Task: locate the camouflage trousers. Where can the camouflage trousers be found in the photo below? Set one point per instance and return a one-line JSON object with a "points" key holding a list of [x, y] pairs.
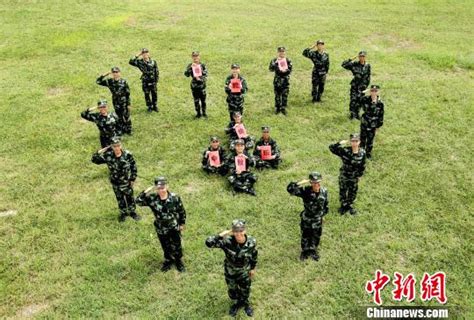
{"points": [[235, 103], [281, 88], [151, 94], [222, 170], [124, 119], [171, 244], [238, 284], [318, 81], [199, 96], [124, 195], [355, 96], [242, 182], [367, 136], [347, 190], [261, 164], [310, 237]]}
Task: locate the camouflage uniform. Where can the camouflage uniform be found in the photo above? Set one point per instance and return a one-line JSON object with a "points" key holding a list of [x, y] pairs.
{"points": [[235, 101], [275, 152], [107, 125], [281, 84], [353, 166], [198, 89], [222, 170], [359, 83], [122, 174], [320, 70], [239, 260], [169, 215], [244, 181], [315, 207], [150, 77], [372, 119], [233, 137], [121, 101]]}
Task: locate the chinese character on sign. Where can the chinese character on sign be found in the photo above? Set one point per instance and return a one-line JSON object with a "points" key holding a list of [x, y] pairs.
{"points": [[434, 287], [377, 285], [404, 287]]}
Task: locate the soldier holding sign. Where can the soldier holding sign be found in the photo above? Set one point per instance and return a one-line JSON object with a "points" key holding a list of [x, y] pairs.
{"points": [[106, 122], [198, 72], [235, 87], [213, 159], [241, 179], [282, 67], [267, 152], [236, 130]]}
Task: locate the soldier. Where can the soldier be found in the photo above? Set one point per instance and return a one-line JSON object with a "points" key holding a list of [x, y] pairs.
{"points": [[360, 82], [236, 130], [282, 67], [315, 199], [239, 265], [320, 60], [120, 98], [106, 122], [241, 179], [122, 175], [198, 72], [235, 87], [353, 166], [214, 158], [150, 77], [267, 152], [170, 218], [372, 119]]}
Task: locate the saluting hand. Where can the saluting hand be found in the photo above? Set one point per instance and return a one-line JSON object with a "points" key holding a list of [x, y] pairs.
{"points": [[103, 150]]}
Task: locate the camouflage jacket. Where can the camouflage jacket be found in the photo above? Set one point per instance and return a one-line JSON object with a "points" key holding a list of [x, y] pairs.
{"points": [[195, 83], [353, 164], [119, 89], [169, 213], [230, 130], [373, 112], [360, 71], [270, 142], [242, 80], [222, 155], [315, 203], [106, 124], [238, 257], [149, 69], [249, 162], [320, 60], [273, 67], [122, 170]]}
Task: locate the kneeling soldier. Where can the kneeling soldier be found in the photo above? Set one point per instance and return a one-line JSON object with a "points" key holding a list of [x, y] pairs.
{"points": [[267, 152], [241, 179], [213, 159]]}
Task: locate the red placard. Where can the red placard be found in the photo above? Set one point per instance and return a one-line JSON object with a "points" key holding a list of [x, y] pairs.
{"points": [[197, 70], [240, 163], [282, 64], [214, 158], [240, 130], [265, 152], [235, 85]]}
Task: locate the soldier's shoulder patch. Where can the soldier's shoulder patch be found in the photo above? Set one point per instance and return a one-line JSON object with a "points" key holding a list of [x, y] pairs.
{"points": [[252, 242]]}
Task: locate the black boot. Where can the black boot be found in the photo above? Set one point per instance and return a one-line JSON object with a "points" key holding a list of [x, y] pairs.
{"points": [[122, 217], [198, 115], [283, 110], [180, 266], [166, 265], [352, 211], [234, 309], [155, 108], [135, 216], [248, 310], [303, 256], [314, 256]]}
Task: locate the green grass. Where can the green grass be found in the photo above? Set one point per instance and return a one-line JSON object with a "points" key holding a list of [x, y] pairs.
{"points": [[64, 254]]}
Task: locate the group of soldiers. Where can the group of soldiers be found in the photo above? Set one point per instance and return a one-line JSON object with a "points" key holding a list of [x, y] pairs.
{"points": [[244, 152]]}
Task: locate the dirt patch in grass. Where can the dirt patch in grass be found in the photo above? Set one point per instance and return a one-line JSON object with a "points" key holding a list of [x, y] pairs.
{"points": [[391, 42], [55, 92], [32, 310]]}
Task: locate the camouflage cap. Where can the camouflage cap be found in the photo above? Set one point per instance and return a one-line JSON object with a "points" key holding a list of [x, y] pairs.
{"points": [[144, 50], [160, 181], [102, 103], [362, 53], [281, 49], [235, 66], [195, 53], [354, 137], [214, 139], [116, 141], [315, 176], [374, 87], [115, 69], [265, 129], [320, 41], [238, 225], [239, 141]]}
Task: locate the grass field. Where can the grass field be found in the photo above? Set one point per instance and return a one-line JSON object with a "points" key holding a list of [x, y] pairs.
{"points": [[65, 255]]}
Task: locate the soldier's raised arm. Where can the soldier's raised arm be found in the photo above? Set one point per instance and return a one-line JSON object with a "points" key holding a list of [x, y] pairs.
{"points": [[98, 157], [308, 53], [133, 61], [86, 114], [294, 189], [142, 199], [217, 241], [347, 64], [337, 148], [101, 80]]}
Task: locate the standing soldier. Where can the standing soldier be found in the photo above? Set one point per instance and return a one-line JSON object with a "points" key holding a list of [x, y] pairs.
{"points": [[214, 158], [198, 72], [235, 87], [353, 166], [241, 179], [120, 98], [122, 175], [315, 199], [150, 77], [360, 82], [106, 122], [372, 119], [282, 67], [267, 152], [239, 265], [320, 60], [170, 218]]}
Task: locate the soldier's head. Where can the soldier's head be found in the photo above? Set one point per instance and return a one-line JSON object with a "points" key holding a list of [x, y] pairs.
{"points": [[281, 51], [355, 141], [145, 53], [215, 142], [315, 180], [237, 117], [239, 146], [102, 105], [266, 132], [161, 185], [238, 230], [320, 45], [235, 68], [362, 55], [196, 56], [116, 146], [374, 90], [115, 73]]}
